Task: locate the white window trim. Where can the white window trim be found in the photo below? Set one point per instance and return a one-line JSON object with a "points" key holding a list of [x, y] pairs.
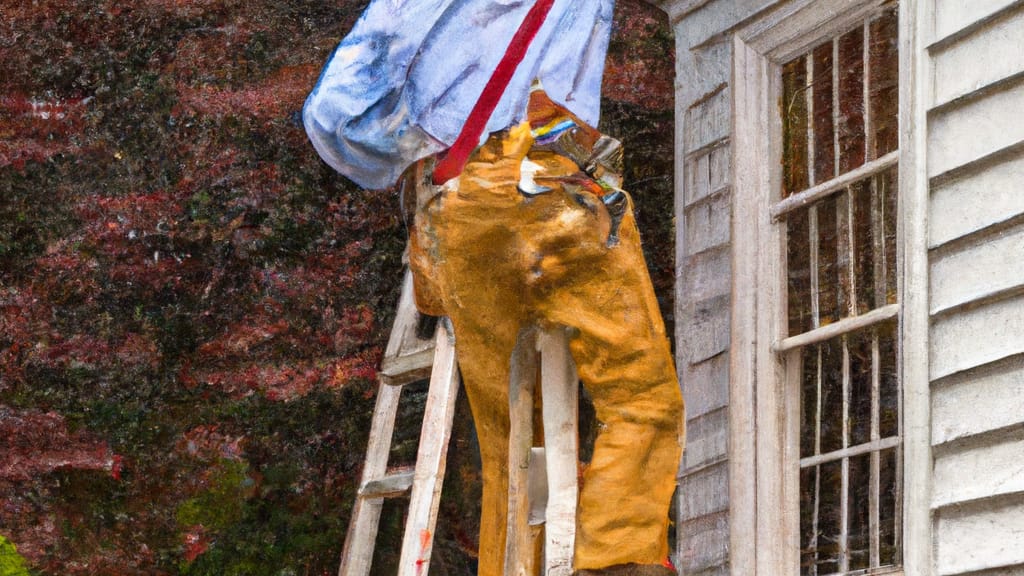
{"points": [[764, 422]]}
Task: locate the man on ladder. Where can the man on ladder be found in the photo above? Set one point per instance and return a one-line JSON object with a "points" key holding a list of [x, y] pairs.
{"points": [[531, 229]]}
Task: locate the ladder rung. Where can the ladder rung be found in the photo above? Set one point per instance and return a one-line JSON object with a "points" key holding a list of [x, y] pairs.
{"points": [[396, 483], [401, 370]]}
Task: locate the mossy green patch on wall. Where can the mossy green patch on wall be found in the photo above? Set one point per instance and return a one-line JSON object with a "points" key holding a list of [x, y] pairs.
{"points": [[11, 563], [221, 504]]}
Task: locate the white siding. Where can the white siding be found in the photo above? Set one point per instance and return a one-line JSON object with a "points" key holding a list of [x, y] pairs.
{"points": [[707, 439], [976, 129], [992, 264], [978, 200], [953, 15], [975, 137], [982, 537], [976, 336], [704, 260], [957, 69], [973, 88], [979, 401], [979, 472], [704, 544]]}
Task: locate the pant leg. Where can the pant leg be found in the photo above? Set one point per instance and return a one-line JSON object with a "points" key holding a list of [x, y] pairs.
{"points": [[503, 260], [624, 360], [471, 251]]}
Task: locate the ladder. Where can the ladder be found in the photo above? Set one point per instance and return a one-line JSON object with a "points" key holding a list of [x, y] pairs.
{"points": [[542, 484], [407, 358], [542, 481]]}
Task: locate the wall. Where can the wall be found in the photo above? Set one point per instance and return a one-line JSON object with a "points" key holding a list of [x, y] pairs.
{"points": [[704, 272], [975, 148], [973, 74]]}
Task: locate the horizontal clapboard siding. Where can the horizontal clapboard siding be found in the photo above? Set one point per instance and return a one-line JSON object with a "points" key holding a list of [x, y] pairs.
{"points": [[956, 65], [977, 402], [975, 128], [1003, 571], [983, 536], [975, 146], [975, 201], [952, 16], [992, 265], [704, 272], [984, 468], [976, 336]]}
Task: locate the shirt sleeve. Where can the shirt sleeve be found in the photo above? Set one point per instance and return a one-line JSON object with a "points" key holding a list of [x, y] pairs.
{"points": [[401, 84]]}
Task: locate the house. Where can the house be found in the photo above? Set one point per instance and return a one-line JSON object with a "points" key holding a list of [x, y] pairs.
{"points": [[850, 301]]}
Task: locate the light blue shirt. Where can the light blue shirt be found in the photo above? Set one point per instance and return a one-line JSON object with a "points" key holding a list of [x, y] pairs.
{"points": [[401, 84]]}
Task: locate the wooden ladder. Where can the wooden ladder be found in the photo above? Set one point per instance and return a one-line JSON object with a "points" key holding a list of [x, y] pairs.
{"points": [[407, 358], [542, 484], [542, 481]]}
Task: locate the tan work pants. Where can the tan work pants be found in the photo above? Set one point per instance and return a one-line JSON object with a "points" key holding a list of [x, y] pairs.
{"points": [[497, 261]]}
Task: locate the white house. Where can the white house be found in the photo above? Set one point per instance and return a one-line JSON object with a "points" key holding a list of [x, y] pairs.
{"points": [[850, 306]]}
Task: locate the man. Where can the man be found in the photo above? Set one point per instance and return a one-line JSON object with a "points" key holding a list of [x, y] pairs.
{"points": [[533, 231]]}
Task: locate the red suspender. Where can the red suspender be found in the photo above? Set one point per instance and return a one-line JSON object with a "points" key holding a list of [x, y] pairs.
{"points": [[451, 164]]}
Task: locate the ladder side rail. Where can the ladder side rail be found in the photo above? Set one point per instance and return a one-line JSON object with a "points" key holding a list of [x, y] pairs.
{"points": [[407, 357], [560, 393], [362, 529], [519, 553], [417, 542]]}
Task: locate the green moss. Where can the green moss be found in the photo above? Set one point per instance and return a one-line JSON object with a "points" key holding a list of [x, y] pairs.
{"points": [[222, 504], [11, 563]]}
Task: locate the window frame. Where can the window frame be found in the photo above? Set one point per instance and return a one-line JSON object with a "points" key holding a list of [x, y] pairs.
{"points": [[764, 416]]}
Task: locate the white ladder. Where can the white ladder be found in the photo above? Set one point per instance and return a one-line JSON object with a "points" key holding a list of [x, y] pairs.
{"points": [[543, 486], [542, 481], [406, 359]]}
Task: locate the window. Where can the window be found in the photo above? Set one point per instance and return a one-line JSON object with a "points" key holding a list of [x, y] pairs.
{"points": [[838, 205], [816, 330]]}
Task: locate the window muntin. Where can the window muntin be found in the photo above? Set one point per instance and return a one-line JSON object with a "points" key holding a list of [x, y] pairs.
{"points": [[838, 207]]}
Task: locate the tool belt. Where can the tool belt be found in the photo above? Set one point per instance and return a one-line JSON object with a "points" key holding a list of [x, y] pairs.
{"points": [[555, 130]]}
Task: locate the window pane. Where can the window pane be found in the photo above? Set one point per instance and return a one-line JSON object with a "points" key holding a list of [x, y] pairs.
{"points": [[883, 82], [860, 386], [887, 191], [829, 300], [809, 521], [830, 517], [888, 400], [824, 132], [809, 401], [843, 278], [798, 256], [865, 273], [794, 126], [832, 395], [851, 100], [859, 540], [839, 110], [888, 523]]}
